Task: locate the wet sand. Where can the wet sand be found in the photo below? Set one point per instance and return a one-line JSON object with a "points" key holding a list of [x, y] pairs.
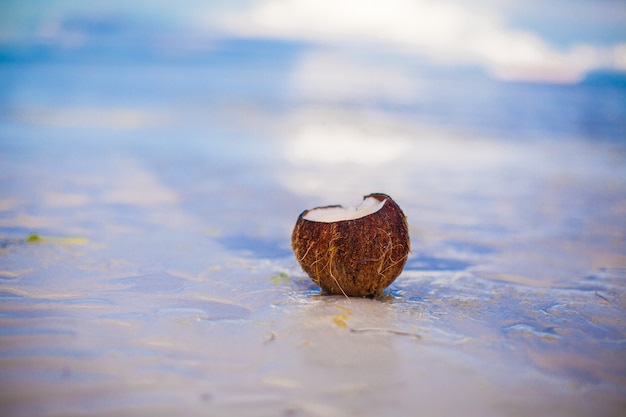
{"points": [[143, 276]]}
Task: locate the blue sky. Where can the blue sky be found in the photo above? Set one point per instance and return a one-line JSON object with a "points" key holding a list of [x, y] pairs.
{"points": [[350, 44]]}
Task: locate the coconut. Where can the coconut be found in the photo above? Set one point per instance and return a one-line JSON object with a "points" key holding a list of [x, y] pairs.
{"points": [[354, 251]]}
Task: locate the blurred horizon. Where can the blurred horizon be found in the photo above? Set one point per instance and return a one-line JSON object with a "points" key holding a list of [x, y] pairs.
{"points": [[528, 41], [493, 68]]}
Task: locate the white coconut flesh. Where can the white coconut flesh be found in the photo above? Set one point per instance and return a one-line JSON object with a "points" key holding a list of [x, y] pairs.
{"points": [[336, 214]]}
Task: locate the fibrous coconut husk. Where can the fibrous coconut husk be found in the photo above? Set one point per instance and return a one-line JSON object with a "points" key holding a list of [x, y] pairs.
{"points": [[358, 257]]}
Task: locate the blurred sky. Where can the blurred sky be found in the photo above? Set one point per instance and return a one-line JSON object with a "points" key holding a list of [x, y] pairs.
{"points": [[361, 40]]}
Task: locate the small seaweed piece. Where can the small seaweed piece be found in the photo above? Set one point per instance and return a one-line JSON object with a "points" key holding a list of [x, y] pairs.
{"points": [[73, 240], [280, 278], [33, 238]]}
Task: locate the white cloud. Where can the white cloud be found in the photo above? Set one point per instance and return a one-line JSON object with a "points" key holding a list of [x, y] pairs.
{"points": [[448, 31], [408, 22], [619, 56]]}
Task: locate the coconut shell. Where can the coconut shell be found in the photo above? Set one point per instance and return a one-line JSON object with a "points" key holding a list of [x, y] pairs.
{"points": [[358, 257]]}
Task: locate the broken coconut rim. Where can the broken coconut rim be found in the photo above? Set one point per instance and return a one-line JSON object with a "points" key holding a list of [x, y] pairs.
{"points": [[331, 214]]}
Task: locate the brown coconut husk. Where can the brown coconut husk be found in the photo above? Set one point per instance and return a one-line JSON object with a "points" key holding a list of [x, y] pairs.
{"points": [[358, 257]]}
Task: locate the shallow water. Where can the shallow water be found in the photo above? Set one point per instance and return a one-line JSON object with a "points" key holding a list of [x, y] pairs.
{"points": [[146, 268]]}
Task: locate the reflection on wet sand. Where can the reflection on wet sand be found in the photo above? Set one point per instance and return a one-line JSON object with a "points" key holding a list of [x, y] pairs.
{"points": [[162, 281]]}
